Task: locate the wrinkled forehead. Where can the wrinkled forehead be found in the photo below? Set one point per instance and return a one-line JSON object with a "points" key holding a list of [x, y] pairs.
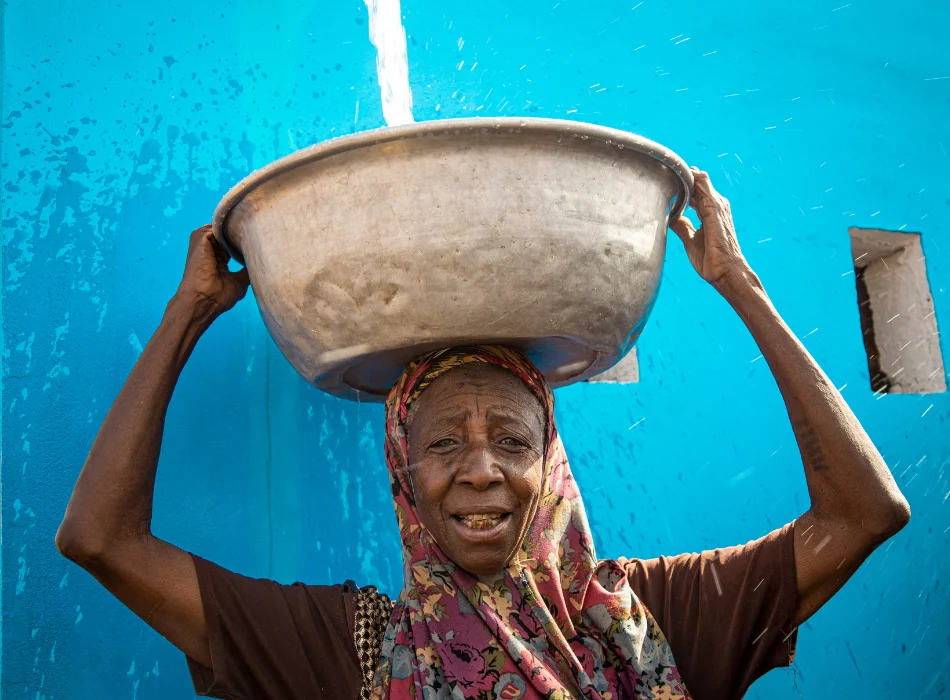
{"points": [[471, 381]]}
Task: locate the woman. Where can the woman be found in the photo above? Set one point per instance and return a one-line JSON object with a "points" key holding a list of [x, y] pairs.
{"points": [[504, 595]]}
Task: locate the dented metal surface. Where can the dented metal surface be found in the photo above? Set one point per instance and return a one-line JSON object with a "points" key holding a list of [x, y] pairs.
{"points": [[367, 250]]}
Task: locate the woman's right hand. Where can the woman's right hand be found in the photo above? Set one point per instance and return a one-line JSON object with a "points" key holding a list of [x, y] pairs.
{"points": [[207, 282]]}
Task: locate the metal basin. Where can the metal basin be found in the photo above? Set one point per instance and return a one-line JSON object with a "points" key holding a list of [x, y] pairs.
{"points": [[368, 250]]}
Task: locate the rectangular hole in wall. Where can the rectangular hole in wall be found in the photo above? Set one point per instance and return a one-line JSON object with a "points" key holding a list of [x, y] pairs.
{"points": [[626, 371], [897, 312]]}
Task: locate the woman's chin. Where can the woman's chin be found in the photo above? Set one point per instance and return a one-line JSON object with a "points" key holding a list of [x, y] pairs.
{"points": [[485, 568]]}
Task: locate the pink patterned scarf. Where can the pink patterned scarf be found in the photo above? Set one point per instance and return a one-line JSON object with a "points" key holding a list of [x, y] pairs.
{"points": [[556, 623]]}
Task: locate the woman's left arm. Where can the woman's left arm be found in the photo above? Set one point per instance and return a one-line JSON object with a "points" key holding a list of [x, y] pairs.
{"points": [[855, 502]]}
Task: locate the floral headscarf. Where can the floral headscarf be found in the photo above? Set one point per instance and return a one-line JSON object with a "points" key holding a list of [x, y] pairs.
{"points": [[556, 623]]}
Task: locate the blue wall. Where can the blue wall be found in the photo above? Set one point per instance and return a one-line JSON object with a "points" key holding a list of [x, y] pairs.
{"points": [[122, 125]]}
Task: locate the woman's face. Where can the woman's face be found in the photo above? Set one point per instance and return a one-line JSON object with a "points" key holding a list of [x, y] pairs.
{"points": [[476, 445]]}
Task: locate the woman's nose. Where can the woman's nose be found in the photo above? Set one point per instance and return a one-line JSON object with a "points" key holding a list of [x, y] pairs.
{"points": [[480, 469]]}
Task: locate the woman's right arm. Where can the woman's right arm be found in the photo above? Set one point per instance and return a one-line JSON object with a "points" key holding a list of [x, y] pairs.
{"points": [[107, 526]]}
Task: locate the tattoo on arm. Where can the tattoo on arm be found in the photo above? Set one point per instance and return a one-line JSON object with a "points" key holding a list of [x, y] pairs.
{"points": [[808, 443]]}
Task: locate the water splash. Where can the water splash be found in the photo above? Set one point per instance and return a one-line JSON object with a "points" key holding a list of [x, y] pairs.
{"points": [[392, 65]]}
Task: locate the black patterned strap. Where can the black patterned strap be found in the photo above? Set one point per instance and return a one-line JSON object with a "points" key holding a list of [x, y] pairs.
{"points": [[373, 610]]}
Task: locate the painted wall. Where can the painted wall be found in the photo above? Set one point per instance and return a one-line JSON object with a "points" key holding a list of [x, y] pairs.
{"points": [[123, 124]]}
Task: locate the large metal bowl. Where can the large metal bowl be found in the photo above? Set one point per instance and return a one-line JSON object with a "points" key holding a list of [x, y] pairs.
{"points": [[368, 250]]}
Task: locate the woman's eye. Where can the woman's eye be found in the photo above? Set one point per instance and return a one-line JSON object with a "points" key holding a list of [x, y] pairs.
{"points": [[512, 442], [442, 444]]}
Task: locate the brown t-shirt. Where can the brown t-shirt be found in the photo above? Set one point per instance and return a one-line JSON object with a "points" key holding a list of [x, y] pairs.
{"points": [[727, 615]]}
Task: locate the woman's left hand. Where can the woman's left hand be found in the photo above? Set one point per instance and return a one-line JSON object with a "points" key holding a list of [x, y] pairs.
{"points": [[713, 249]]}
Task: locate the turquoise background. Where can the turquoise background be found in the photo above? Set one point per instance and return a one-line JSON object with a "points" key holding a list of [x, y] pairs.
{"points": [[123, 123]]}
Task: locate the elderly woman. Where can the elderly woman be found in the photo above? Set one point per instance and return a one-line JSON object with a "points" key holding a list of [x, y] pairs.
{"points": [[503, 595]]}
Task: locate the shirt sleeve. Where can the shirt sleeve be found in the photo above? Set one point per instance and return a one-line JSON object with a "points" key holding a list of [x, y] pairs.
{"points": [[275, 642], [727, 613]]}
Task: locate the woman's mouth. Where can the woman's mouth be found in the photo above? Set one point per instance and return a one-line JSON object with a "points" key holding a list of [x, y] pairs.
{"points": [[481, 521], [481, 526]]}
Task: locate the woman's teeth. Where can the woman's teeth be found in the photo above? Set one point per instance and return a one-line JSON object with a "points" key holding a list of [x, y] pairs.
{"points": [[484, 521]]}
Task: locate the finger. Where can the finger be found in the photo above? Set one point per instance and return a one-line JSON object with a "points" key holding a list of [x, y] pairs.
{"points": [[195, 239], [705, 198], [699, 193], [220, 252], [200, 232], [707, 191], [683, 228], [702, 186], [237, 284], [243, 278]]}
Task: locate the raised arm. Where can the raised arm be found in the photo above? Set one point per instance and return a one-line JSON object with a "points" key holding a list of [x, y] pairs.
{"points": [[107, 526], [855, 503]]}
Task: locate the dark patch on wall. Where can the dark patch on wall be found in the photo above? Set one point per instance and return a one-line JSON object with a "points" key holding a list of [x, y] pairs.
{"points": [[879, 378]]}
